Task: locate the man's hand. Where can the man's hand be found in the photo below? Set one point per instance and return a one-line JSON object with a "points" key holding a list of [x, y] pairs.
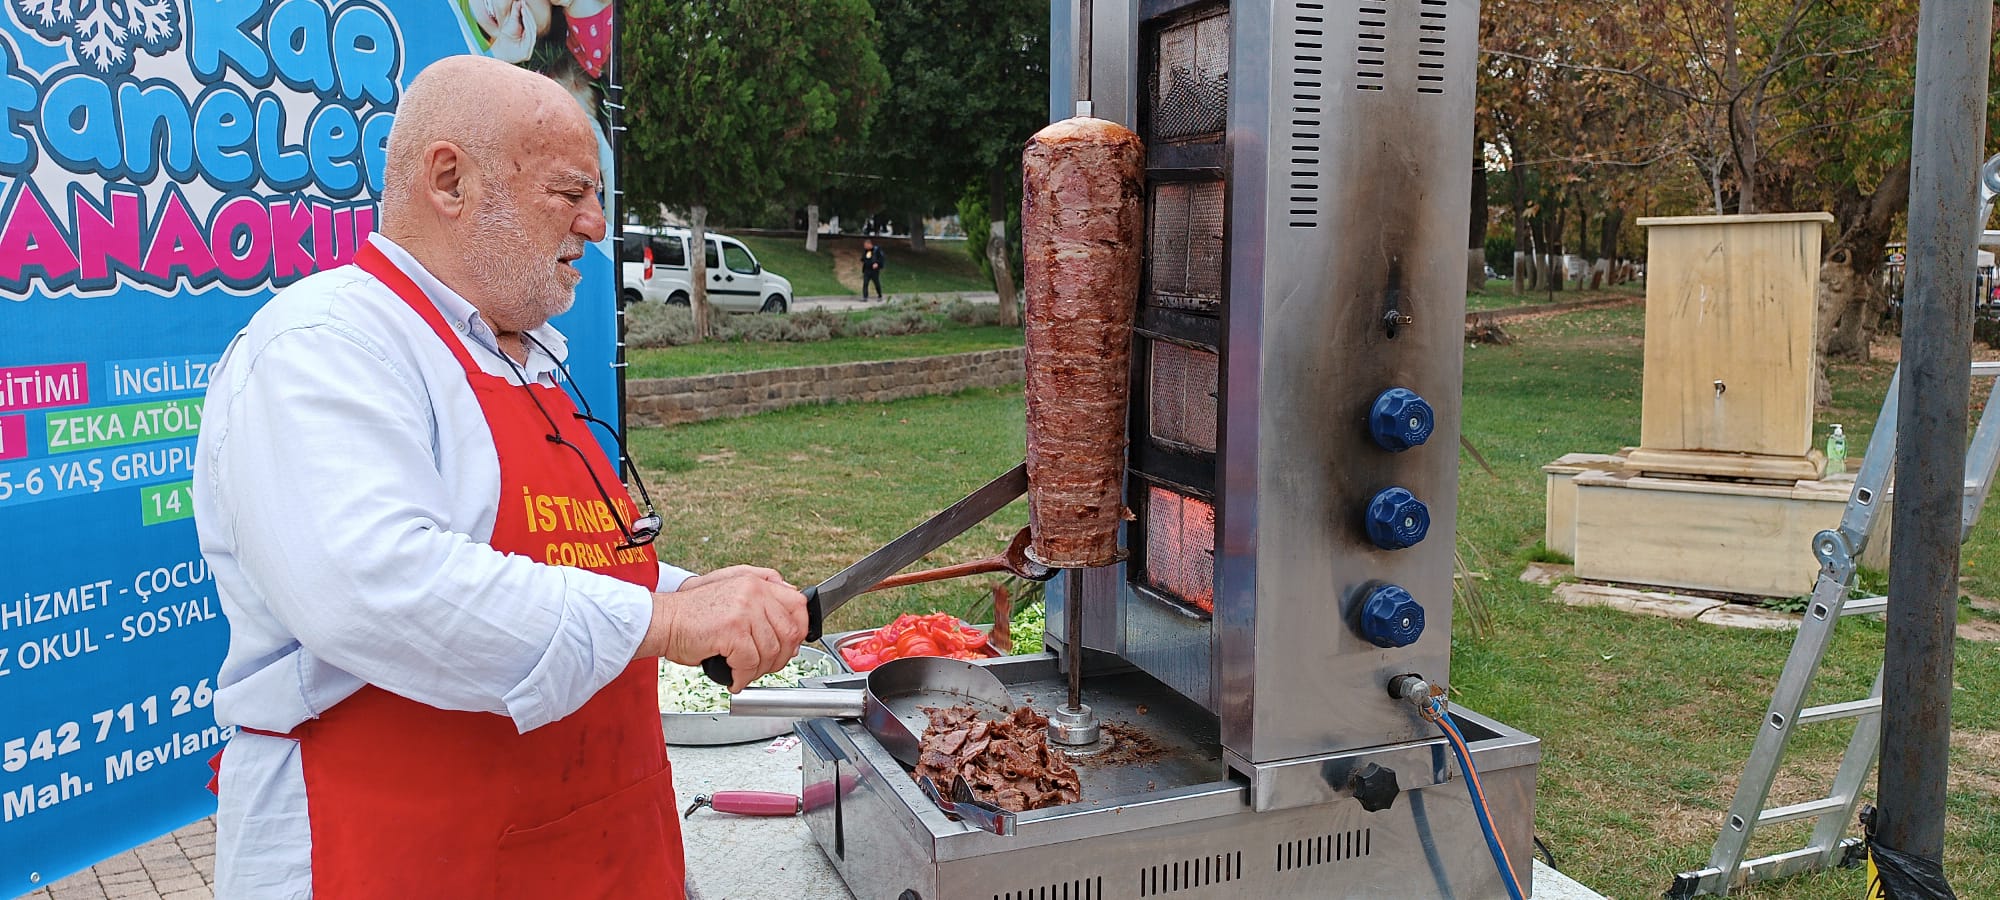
{"points": [[770, 575], [745, 614]]}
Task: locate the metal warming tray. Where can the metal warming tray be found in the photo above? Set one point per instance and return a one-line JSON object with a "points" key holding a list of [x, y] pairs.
{"points": [[709, 729], [1171, 820]]}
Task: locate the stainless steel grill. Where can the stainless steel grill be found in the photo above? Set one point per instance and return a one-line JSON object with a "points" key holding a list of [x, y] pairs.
{"points": [[1301, 317]]}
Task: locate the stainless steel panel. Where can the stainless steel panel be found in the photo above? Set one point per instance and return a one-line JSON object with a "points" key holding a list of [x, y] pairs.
{"points": [[1103, 620], [1323, 779], [1347, 201], [1171, 645]]}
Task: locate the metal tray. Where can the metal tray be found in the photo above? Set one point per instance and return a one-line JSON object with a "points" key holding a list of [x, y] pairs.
{"points": [[709, 729]]}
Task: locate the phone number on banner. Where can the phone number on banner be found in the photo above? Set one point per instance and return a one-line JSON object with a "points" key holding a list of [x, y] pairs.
{"points": [[52, 479], [20, 751]]}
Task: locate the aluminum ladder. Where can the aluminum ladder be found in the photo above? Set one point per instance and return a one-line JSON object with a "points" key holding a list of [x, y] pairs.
{"points": [[1837, 551]]}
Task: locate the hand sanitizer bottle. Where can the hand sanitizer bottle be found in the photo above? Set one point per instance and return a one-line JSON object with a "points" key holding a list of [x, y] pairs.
{"points": [[1836, 452]]}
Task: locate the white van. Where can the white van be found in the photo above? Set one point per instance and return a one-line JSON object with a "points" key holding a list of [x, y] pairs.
{"points": [[736, 281]]}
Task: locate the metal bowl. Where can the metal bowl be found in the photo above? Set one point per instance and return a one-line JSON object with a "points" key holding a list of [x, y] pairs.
{"points": [[708, 729]]}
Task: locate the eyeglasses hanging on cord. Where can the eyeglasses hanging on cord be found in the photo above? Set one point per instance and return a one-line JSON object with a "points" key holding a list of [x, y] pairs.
{"points": [[640, 531]]}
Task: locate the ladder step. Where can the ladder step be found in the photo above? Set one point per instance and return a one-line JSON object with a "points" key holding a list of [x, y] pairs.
{"points": [[1806, 810], [1848, 710], [1861, 606]]}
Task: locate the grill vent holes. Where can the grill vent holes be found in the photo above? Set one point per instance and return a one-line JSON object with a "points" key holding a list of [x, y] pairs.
{"points": [[1372, 58], [1327, 848], [1430, 55], [1080, 889], [1371, 46], [1307, 114], [1189, 874]]}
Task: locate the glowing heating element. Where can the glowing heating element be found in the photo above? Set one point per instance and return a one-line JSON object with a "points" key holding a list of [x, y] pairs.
{"points": [[1180, 547]]}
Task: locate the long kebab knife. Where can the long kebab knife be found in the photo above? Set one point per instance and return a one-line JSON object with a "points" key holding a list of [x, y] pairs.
{"points": [[895, 556]]}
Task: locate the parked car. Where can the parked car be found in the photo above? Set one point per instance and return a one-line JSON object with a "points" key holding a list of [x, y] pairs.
{"points": [[736, 281]]}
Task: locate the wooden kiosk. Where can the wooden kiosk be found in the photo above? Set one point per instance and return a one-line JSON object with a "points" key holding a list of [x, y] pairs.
{"points": [[1724, 492]]}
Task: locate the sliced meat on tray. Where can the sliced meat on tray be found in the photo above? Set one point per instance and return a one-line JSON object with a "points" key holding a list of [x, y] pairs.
{"points": [[1007, 763]]}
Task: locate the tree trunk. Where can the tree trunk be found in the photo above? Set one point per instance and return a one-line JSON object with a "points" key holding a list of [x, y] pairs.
{"points": [[1555, 276], [812, 228], [1520, 272], [1607, 244], [1850, 302], [916, 233], [1519, 202], [698, 269], [1742, 122], [1475, 257], [996, 248]]}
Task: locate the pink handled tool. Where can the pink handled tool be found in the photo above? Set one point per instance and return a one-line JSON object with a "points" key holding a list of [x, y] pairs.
{"points": [[748, 803]]}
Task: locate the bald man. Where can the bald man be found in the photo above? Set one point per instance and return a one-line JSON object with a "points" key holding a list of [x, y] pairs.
{"points": [[445, 610]]}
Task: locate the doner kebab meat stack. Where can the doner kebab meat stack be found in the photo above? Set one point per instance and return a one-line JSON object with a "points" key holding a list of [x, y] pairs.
{"points": [[1082, 218]]}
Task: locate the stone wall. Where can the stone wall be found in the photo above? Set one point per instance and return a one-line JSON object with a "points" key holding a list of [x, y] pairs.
{"points": [[672, 401]]}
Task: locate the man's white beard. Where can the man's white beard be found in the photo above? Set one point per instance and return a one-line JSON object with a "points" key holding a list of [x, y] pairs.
{"points": [[525, 291]]}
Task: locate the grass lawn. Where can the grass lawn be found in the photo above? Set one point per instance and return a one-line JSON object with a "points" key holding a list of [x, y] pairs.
{"points": [[713, 357], [1645, 722], [833, 271], [1500, 295]]}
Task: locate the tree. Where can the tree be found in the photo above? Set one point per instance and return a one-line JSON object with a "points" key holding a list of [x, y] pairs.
{"points": [[733, 105], [1573, 135], [1772, 105], [969, 87]]}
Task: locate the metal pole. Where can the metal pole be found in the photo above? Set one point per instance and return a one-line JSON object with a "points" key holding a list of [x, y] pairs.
{"points": [[1948, 129], [1081, 93], [1073, 579], [614, 212]]}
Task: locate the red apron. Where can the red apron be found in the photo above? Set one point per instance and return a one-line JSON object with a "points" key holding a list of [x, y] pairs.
{"points": [[407, 800]]}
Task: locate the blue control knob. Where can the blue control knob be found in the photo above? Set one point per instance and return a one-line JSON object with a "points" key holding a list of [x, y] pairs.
{"points": [[1397, 519], [1400, 420], [1390, 617]]}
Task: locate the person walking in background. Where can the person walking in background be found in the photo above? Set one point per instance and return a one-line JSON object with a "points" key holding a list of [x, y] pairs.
{"points": [[871, 268]]}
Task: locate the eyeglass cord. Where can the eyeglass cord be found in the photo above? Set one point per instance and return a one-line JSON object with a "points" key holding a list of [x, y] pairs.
{"points": [[632, 539]]}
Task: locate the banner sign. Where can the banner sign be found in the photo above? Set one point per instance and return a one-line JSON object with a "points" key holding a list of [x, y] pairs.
{"points": [[165, 166]]}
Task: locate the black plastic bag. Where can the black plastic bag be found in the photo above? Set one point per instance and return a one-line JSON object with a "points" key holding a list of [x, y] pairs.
{"points": [[1895, 875]]}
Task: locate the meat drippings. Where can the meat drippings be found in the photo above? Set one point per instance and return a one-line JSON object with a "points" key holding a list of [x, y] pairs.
{"points": [[1007, 763]]}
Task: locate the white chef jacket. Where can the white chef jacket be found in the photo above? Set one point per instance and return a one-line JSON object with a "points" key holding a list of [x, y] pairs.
{"points": [[345, 486]]}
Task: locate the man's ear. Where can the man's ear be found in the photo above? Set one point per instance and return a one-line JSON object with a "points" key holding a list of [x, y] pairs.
{"points": [[445, 170]]}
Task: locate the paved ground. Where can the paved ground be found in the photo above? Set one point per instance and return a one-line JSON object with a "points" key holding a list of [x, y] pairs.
{"points": [[181, 866], [178, 866]]}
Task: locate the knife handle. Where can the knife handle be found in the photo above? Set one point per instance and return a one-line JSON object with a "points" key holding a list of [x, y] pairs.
{"points": [[717, 668]]}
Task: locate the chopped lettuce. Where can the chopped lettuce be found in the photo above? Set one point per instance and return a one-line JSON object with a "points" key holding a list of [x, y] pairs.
{"points": [[686, 689]]}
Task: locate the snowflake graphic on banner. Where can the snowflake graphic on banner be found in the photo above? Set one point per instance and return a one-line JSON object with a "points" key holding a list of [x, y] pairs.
{"points": [[105, 35]]}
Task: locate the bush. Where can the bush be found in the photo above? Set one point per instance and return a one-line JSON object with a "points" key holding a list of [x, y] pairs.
{"points": [[966, 312], [972, 214], [658, 325], [906, 321]]}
